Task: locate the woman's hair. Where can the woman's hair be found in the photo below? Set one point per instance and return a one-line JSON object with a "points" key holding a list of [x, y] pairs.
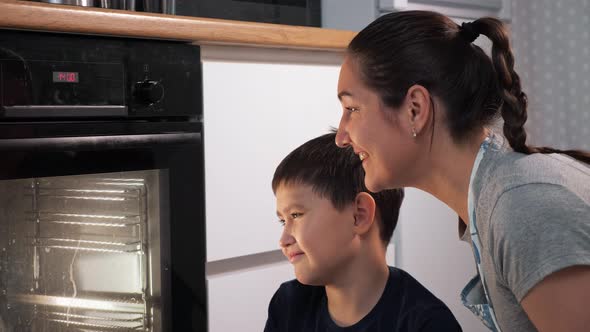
{"points": [[402, 49]]}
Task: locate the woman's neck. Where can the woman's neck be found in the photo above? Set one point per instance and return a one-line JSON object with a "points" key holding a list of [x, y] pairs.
{"points": [[450, 172]]}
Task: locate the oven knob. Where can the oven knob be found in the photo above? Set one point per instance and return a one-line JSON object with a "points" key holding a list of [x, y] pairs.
{"points": [[149, 92]]}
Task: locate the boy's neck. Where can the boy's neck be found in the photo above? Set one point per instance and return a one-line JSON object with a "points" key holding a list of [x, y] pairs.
{"points": [[357, 291]]}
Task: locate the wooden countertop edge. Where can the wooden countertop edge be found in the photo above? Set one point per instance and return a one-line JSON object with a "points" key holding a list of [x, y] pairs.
{"points": [[25, 15]]}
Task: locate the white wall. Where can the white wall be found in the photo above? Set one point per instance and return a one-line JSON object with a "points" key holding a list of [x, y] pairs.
{"points": [[551, 40], [351, 15]]}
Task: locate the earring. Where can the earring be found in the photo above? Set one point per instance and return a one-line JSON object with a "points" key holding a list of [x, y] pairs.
{"points": [[414, 133]]}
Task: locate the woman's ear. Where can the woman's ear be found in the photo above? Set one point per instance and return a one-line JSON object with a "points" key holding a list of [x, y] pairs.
{"points": [[418, 109], [364, 212]]}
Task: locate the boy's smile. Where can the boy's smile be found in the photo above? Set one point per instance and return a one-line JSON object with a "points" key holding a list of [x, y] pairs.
{"points": [[293, 256], [317, 238]]}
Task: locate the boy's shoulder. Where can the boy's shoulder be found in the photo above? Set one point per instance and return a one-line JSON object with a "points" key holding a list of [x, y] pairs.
{"points": [[409, 290], [294, 304], [402, 290], [293, 293], [405, 305]]}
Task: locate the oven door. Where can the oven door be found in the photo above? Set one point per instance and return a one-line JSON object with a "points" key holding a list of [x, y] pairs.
{"points": [[102, 227]]}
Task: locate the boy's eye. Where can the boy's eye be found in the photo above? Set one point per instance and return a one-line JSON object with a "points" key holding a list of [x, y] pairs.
{"points": [[293, 215]]}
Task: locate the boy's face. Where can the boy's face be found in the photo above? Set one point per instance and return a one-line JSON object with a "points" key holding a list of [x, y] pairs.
{"points": [[318, 239]]}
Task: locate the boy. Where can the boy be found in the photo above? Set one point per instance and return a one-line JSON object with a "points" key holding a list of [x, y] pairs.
{"points": [[335, 235]]}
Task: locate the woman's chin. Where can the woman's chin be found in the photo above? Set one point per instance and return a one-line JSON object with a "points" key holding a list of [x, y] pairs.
{"points": [[373, 186]]}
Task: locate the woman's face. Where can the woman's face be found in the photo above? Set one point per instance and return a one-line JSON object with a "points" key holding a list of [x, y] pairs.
{"points": [[380, 136]]}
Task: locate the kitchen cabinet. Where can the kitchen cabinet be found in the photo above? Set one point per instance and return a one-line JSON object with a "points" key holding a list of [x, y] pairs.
{"points": [[239, 298], [259, 104]]}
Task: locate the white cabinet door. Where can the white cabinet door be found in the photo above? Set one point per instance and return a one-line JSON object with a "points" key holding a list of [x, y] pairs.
{"points": [[259, 104], [464, 9], [238, 299]]}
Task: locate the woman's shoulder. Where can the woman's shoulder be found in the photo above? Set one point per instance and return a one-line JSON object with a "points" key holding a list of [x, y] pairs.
{"points": [[503, 170], [517, 189]]}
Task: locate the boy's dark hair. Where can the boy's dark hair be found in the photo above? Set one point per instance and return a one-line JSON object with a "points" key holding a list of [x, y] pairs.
{"points": [[336, 174]]}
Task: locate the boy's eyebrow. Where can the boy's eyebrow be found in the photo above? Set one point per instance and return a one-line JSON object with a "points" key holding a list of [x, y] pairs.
{"points": [[290, 207]]}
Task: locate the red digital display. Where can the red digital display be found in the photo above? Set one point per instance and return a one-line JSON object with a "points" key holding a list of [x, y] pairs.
{"points": [[65, 77]]}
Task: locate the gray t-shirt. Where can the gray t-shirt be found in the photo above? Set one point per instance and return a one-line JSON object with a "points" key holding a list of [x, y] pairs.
{"points": [[533, 218]]}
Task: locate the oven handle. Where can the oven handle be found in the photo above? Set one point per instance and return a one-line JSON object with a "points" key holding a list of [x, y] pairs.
{"points": [[99, 142]]}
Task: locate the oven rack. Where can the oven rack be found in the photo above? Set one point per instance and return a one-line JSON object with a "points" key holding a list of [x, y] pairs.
{"points": [[86, 219], [88, 245], [106, 303], [87, 313], [92, 322]]}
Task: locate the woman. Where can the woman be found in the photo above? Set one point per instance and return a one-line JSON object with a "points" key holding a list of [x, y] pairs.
{"points": [[418, 98]]}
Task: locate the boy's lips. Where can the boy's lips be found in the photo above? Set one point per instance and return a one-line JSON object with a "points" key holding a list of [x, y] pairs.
{"points": [[292, 256]]}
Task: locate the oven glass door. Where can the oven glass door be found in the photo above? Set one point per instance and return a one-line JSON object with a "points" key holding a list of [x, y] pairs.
{"points": [[102, 229]]}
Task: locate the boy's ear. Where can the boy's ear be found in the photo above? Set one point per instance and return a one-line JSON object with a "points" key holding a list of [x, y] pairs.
{"points": [[364, 212]]}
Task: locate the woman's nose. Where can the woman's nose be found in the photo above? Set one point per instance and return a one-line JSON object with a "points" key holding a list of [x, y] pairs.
{"points": [[342, 138]]}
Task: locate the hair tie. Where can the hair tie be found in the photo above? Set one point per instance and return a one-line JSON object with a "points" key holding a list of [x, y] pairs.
{"points": [[468, 32]]}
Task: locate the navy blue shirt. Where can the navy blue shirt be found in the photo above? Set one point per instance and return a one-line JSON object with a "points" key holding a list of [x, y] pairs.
{"points": [[405, 305]]}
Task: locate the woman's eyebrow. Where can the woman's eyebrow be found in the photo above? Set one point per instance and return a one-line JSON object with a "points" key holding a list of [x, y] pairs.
{"points": [[344, 93]]}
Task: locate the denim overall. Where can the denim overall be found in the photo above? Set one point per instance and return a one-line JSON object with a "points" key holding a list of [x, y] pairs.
{"points": [[475, 295]]}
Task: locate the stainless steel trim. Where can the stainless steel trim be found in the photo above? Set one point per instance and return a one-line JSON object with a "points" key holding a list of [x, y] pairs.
{"points": [[84, 3], [98, 142], [37, 111]]}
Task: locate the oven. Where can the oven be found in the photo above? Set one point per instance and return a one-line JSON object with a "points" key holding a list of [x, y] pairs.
{"points": [[290, 12], [101, 184]]}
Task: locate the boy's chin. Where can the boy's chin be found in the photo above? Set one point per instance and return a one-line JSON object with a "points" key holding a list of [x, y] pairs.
{"points": [[309, 279]]}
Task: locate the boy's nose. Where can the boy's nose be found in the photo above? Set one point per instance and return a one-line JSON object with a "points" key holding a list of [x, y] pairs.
{"points": [[286, 238]]}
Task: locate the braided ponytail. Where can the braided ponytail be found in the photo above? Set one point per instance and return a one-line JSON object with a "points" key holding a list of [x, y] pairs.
{"points": [[514, 100]]}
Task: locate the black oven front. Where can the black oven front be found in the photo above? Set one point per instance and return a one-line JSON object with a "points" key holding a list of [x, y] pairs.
{"points": [[289, 12], [101, 185]]}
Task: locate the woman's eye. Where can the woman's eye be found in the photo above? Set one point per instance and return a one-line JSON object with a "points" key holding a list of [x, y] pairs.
{"points": [[352, 109], [282, 222], [295, 215]]}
